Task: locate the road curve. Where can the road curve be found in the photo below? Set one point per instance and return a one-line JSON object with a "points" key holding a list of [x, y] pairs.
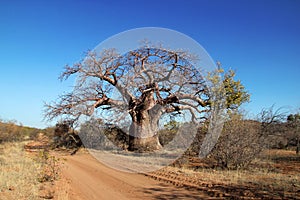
{"points": [[89, 180]]}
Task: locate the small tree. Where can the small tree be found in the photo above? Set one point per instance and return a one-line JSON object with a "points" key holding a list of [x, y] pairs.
{"points": [[235, 95], [294, 124], [235, 91], [272, 125], [243, 140]]}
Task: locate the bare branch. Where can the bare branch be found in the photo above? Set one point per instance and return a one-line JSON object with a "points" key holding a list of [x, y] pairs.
{"points": [[149, 80]]}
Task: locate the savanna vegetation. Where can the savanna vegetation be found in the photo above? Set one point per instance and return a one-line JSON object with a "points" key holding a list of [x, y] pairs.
{"points": [[256, 157], [28, 169]]}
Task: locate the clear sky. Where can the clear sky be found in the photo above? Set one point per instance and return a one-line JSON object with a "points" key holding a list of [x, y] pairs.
{"points": [[258, 39]]}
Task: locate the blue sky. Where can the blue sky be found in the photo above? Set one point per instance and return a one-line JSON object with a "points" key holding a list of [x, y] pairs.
{"points": [[258, 39]]}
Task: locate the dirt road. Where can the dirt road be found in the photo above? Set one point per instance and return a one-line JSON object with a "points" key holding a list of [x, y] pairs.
{"points": [[89, 179]]}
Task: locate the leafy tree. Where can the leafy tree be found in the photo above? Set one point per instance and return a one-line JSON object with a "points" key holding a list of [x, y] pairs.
{"points": [[236, 94], [140, 86], [233, 91], [233, 94]]}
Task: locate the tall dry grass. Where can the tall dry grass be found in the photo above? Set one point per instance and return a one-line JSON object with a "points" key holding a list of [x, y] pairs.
{"points": [[18, 173]]}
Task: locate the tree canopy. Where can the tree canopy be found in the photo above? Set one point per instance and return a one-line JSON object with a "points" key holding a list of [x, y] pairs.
{"points": [[142, 86]]}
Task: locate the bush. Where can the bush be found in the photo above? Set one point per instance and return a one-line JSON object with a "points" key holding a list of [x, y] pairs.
{"points": [[165, 136], [64, 136], [117, 136], [240, 142], [96, 135], [50, 167]]}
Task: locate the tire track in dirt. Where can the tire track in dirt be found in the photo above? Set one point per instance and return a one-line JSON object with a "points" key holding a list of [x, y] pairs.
{"points": [[89, 179]]}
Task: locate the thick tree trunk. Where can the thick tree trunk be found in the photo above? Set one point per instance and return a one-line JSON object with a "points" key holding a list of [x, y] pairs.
{"points": [[143, 134], [144, 144]]}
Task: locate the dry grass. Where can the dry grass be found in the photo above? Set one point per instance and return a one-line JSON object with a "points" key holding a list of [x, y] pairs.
{"points": [[262, 178], [275, 175], [18, 173], [31, 176], [62, 189]]}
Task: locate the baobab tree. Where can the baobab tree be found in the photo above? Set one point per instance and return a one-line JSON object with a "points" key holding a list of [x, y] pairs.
{"points": [[143, 85]]}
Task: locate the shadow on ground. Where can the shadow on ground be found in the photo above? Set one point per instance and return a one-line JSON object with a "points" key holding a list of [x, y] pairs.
{"points": [[164, 192]]}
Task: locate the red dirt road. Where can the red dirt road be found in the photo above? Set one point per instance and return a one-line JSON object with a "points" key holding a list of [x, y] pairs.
{"points": [[89, 179]]}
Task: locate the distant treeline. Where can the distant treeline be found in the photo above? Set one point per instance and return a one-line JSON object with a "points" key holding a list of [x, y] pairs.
{"points": [[13, 131]]}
